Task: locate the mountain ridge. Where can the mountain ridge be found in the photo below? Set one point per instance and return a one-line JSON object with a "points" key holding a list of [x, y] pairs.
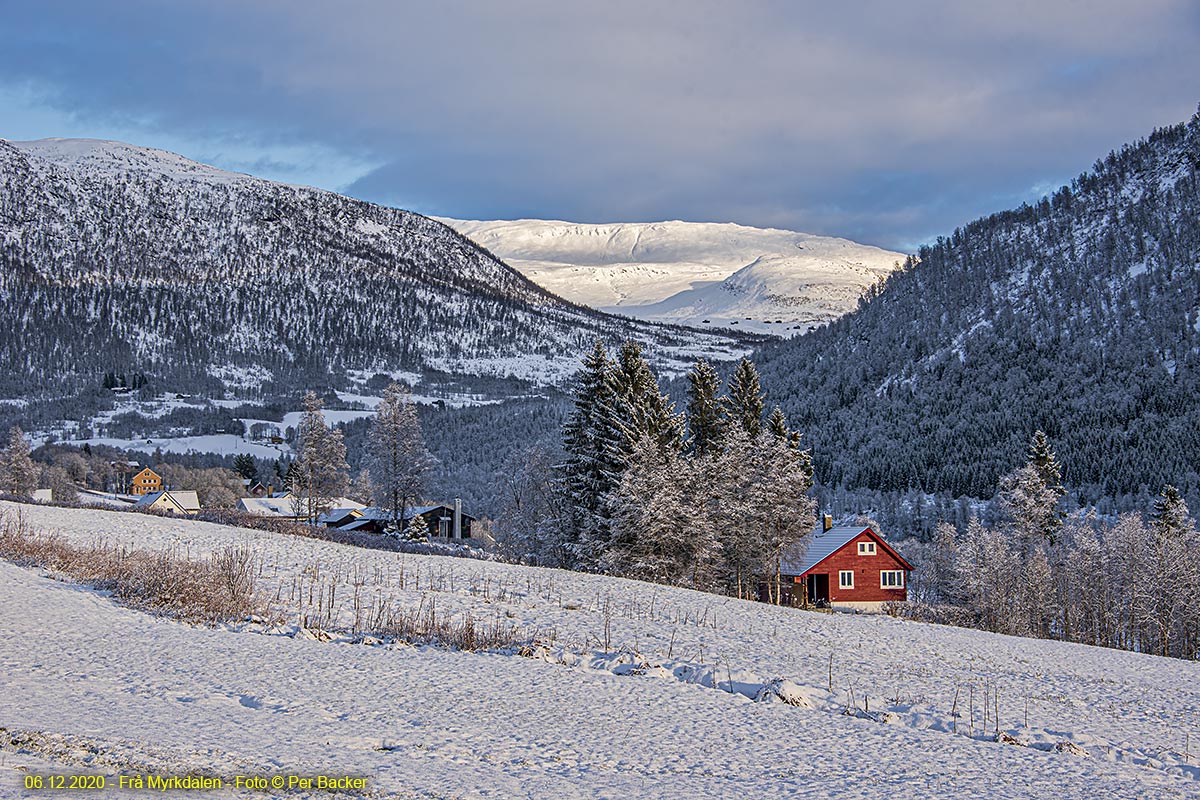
{"points": [[698, 274], [121, 258]]}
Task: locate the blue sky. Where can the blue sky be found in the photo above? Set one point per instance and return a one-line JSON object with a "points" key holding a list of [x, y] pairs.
{"points": [[885, 122]]}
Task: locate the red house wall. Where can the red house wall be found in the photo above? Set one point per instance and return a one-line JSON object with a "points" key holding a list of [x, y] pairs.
{"points": [[866, 572]]}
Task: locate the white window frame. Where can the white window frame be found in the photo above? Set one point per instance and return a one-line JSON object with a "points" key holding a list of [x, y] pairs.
{"points": [[842, 575], [899, 573], [867, 548]]}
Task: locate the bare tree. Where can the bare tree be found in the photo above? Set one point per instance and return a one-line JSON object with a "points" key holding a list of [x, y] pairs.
{"points": [[320, 465], [396, 455]]}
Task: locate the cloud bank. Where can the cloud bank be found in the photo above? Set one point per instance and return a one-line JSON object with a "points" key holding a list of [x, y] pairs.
{"points": [[885, 122]]}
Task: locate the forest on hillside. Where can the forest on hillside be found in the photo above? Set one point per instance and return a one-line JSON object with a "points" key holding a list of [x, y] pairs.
{"points": [[1077, 315]]}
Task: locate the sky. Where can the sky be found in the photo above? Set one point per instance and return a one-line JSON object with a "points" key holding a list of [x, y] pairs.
{"points": [[886, 122]]}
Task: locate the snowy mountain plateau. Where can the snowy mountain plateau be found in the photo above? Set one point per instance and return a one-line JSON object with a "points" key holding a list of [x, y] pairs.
{"points": [[607, 687], [691, 273], [122, 258]]}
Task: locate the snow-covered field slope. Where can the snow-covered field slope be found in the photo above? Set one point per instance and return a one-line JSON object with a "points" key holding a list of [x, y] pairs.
{"points": [[667, 711], [692, 273]]}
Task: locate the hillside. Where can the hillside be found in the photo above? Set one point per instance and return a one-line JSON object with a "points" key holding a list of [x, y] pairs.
{"points": [[630, 690], [1079, 315], [691, 273], [126, 259]]}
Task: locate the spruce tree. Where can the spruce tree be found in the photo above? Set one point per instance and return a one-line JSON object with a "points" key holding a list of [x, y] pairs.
{"points": [[1042, 458], [642, 409], [245, 465], [777, 426], [705, 423], [592, 439], [744, 406], [1170, 514]]}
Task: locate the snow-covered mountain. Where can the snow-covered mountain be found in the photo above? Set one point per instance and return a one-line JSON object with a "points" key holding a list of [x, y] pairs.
{"points": [[1078, 315], [123, 258], [692, 273]]}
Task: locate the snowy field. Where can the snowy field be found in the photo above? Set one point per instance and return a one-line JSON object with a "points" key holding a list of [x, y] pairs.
{"points": [[629, 690]]}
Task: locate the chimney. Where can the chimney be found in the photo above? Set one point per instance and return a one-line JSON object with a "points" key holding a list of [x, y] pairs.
{"points": [[826, 522], [458, 518]]}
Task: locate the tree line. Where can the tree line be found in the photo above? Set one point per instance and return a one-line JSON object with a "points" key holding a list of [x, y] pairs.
{"points": [[1130, 582], [709, 497]]}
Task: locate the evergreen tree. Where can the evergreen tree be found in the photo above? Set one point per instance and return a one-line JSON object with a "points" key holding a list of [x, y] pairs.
{"points": [[642, 409], [396, 455], [744, 405], [594, 462], [705, 422], [1170, 514], [20, 474], [1042, 458], [777, 426], [1031, 495], [245, 465]]}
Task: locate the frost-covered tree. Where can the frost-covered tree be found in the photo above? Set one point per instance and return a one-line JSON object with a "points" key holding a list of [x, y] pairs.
{"points": [[530, 524], [762, 507], [1031, 505], [321, 472], [396, 455], [705, 420], [20, 474]]}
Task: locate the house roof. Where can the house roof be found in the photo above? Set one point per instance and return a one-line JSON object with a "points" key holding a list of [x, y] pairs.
{"points": [[823, 545], [377, 514], [335, 514], [287, 506], [184, 501]]}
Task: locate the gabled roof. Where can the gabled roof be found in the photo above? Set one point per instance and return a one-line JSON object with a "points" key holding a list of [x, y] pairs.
{"points": [[382, 515], [338, 514], [186, 502], [823, 545], [286, 506]]}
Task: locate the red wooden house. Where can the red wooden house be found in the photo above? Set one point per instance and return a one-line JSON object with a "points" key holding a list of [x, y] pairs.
{"points": [[848, 567]]}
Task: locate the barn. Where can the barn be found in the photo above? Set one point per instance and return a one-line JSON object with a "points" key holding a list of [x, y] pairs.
{"points": [[848, 567]]}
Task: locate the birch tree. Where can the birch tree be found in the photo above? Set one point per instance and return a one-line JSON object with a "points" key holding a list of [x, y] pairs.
{"points": [[321, 472], [397, 458]]}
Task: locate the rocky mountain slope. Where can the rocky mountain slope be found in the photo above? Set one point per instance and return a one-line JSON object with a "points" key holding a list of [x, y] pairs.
{"points": [[691, 273], [122, 258], [1079, 315]]}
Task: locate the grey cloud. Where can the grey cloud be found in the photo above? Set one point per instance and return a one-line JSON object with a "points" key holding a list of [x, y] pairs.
{"points": [[883, 121]]}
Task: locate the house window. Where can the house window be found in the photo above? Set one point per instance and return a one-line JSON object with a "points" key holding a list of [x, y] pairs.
{"points": [[846, 579], [866, 548], [443, 527], [891, 579]]}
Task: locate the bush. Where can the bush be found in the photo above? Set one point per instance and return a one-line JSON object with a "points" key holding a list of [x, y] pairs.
{"points": [[210, 591]]}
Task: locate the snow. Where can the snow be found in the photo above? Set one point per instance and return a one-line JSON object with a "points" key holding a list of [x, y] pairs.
{"points": [[700, 274], [667, 711], [108, 155], [225, 444]]}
